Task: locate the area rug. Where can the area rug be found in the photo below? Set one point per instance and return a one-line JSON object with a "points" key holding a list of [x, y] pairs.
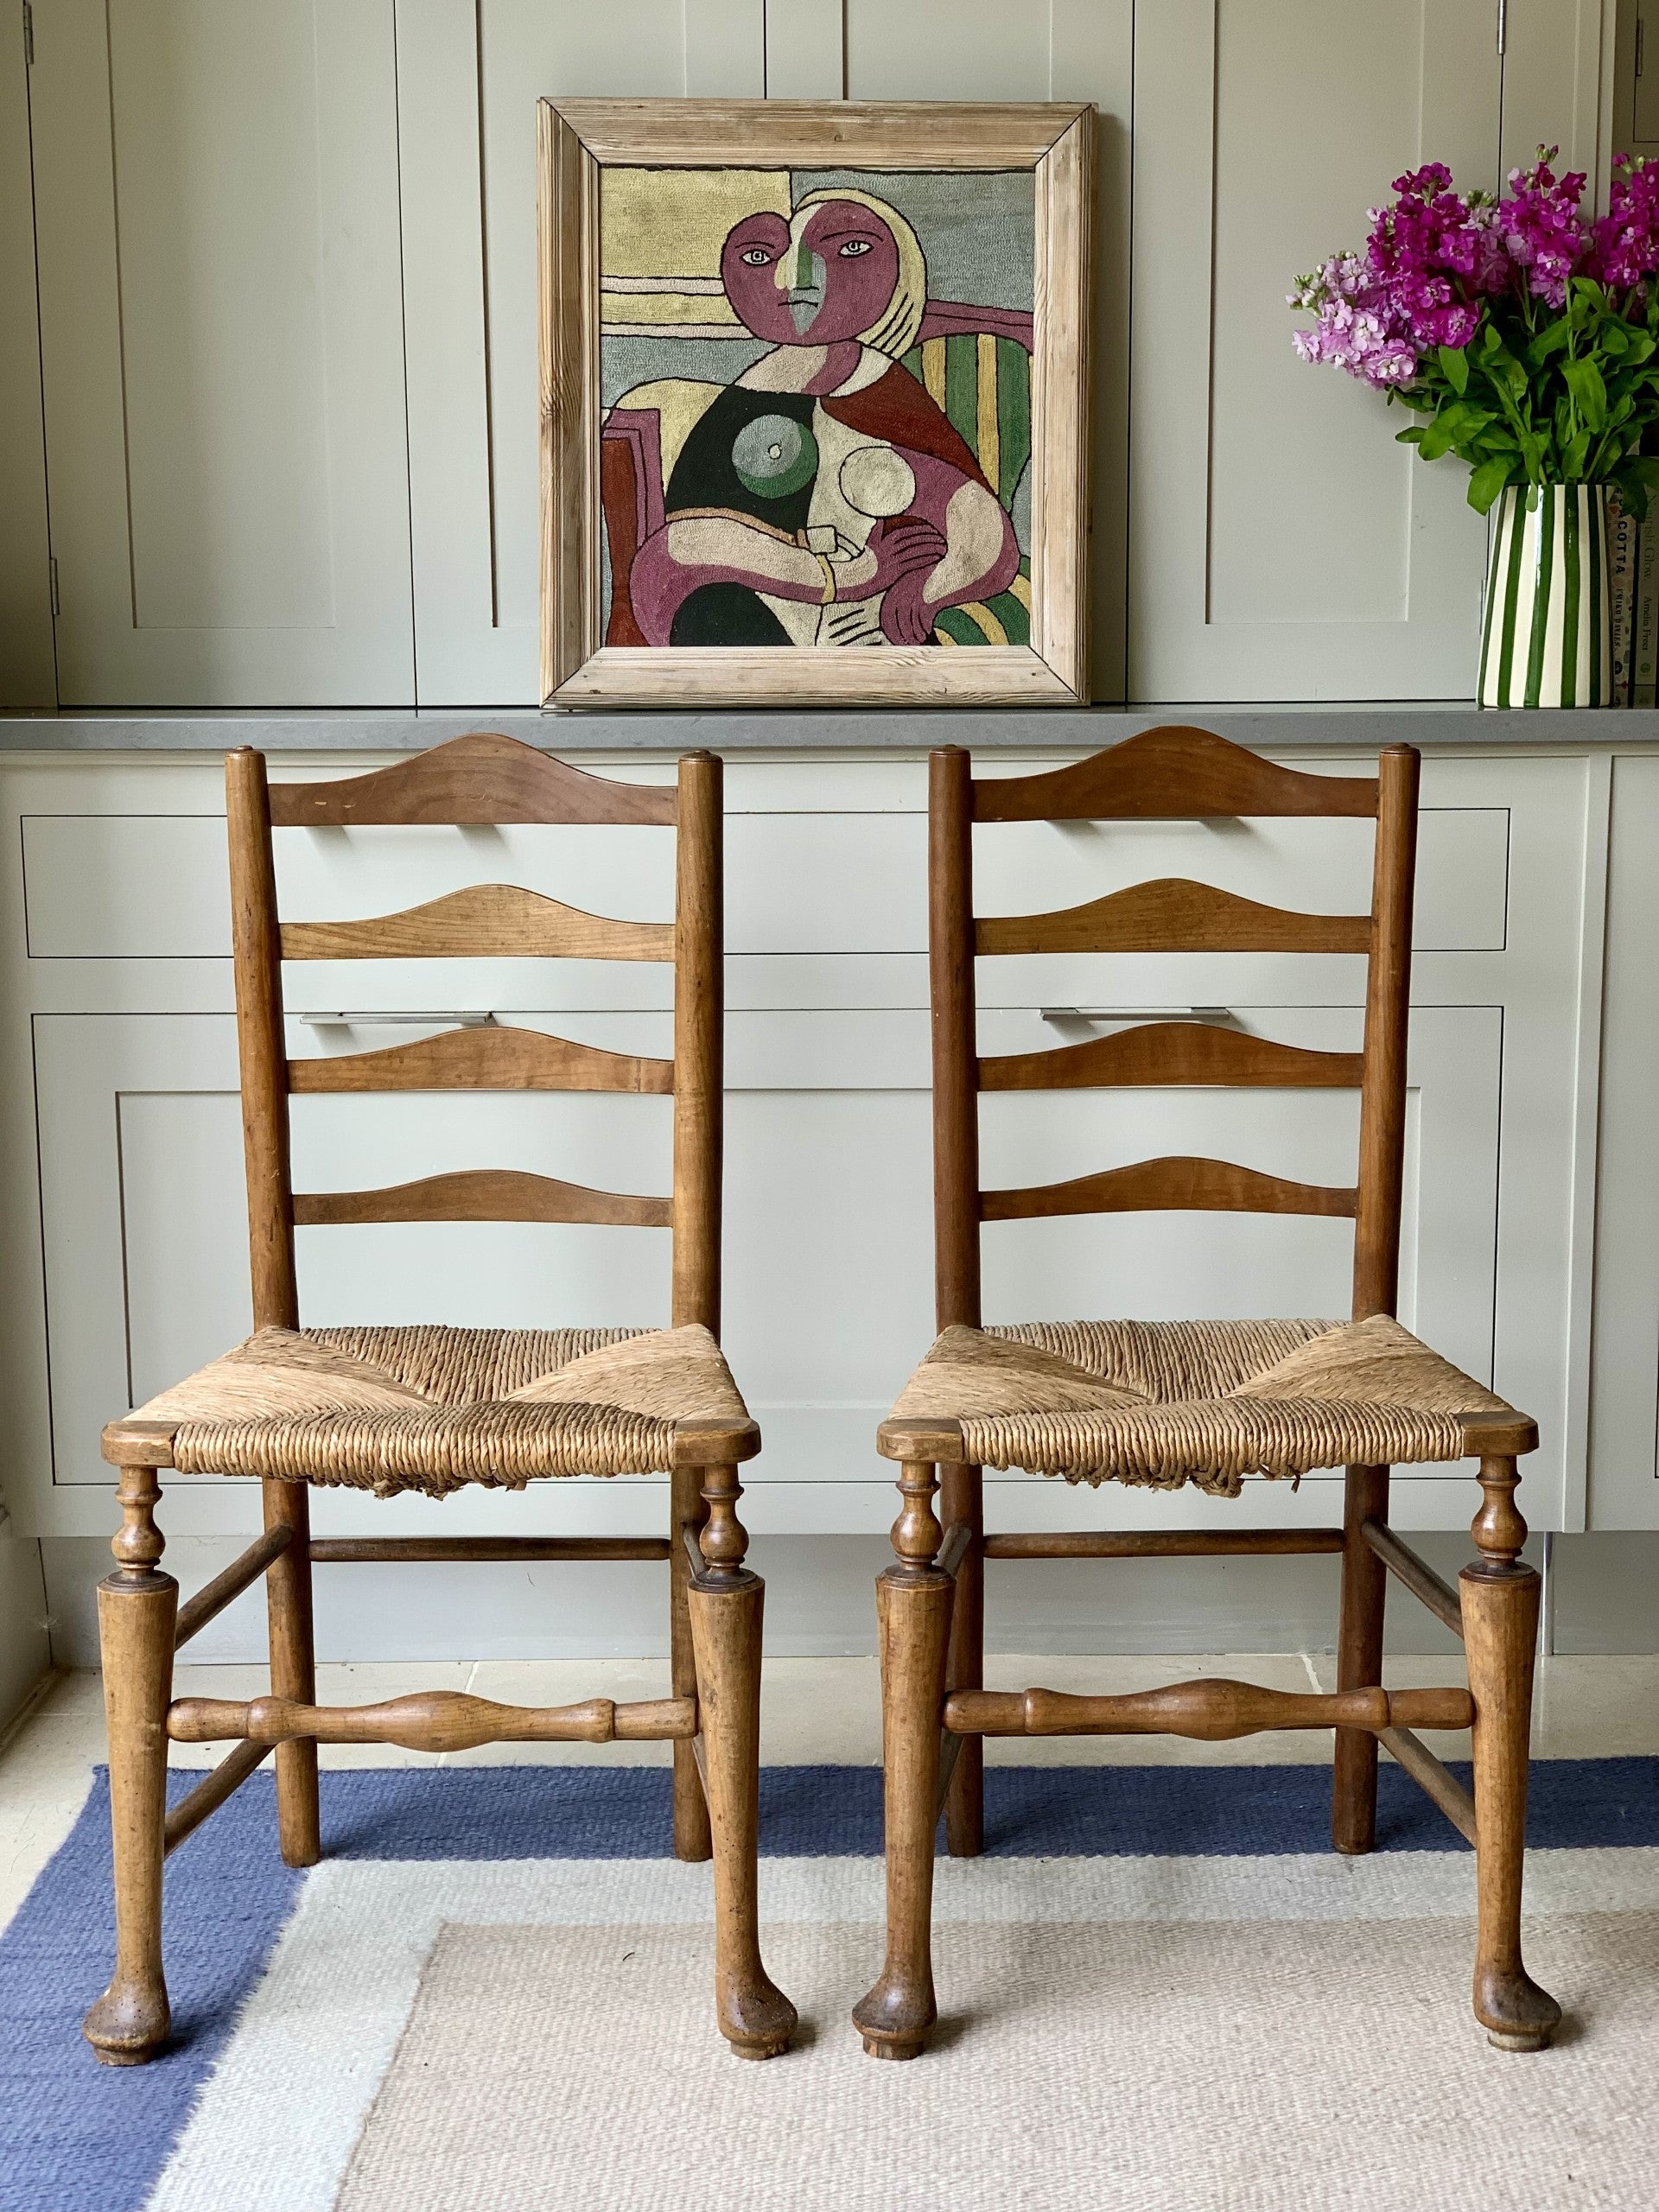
{"points": [[1160, 1992]]}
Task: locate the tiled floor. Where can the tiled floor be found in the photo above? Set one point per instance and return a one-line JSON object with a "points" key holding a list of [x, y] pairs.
{"points": [[816, 1711]]}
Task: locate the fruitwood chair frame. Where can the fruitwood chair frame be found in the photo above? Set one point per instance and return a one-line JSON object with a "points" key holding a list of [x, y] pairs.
{"points": [[935, 1710], [712, 1718]]}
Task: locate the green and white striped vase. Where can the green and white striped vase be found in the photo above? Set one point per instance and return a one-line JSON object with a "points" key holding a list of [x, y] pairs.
{"points": [[1548, 639]]}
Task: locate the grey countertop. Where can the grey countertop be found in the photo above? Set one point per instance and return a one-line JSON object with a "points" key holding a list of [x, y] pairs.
{"points": [[1322, 724]]}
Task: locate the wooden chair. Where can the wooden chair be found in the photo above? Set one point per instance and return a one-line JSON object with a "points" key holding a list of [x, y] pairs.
{"points": [[428, 1409], [1160, 1403]]}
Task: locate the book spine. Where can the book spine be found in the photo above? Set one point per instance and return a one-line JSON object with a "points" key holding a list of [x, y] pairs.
{"points": [[1621, 566], [1646, 656]]}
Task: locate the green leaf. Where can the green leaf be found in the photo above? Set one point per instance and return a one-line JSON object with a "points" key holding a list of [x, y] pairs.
{"points": [[1549, 340], [1455, 366], [1487, 482], [1573, 455], [1412, 436], [1584, 382], [1614, 338]]}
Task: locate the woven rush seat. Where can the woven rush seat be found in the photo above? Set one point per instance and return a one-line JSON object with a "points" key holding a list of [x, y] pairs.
{"points": [[1161, 1403], [433, 1410]]}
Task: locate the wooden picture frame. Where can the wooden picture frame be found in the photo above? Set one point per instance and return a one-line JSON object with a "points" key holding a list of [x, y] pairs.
{"points": [[1054, 144]]}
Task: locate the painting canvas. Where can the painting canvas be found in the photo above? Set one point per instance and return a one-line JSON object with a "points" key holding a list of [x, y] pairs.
{"points": [[817, 388], [838, 449]]}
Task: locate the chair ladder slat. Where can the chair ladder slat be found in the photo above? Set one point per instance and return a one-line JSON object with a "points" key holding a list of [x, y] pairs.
{"points": [[1173, 1186], [496, 1059], [1175, 774], [484, 778], [1172, 1052], [1173, 914], [482, 1194], [488, 921]]}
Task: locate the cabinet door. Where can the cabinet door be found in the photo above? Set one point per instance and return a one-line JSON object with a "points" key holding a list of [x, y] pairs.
{"points": [[468, 79], [1624, 1373], [216, 211], [1068, 50], [1283, 546]]}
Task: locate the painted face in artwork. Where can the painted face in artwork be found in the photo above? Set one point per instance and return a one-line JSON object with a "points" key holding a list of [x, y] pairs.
{"points": [[819, 279]]}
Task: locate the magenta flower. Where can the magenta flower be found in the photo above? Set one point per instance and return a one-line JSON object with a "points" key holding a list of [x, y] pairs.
{"points": [[1542, 229], [1524, 331], [1626, 239]]}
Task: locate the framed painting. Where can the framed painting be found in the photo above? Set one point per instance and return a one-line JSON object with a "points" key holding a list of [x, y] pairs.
{"points": [[815, 397]]}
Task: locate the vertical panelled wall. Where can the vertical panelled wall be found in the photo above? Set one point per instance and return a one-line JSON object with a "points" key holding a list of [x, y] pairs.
{"points": [[284, 252], [466, 77]]}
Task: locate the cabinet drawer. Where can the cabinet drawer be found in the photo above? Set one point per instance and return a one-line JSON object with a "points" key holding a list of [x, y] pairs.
{"points": [[100, 886]]}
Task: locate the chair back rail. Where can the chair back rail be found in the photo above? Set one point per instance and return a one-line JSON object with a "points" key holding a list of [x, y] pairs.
{"points": [[1168, 774], [482, 779], [1179, 1185], [1173, 915], [485, 1059], [487, 921], [483, 1194]]}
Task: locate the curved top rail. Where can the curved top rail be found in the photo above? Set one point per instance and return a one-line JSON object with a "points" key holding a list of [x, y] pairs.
{"points": [[484, 778], [1176, 773], [1173, 914]]}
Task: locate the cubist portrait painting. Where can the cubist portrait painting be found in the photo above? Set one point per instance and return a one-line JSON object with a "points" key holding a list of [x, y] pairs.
{"points": [[816, 388]]}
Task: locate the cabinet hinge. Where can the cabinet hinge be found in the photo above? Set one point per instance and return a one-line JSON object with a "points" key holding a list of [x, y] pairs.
{"points": [[1503, 24], [52, 567], [28, 35]]}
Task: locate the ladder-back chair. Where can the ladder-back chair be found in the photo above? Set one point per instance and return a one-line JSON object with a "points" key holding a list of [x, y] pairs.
{"points": [[430, 1408], [1161, 1403]]}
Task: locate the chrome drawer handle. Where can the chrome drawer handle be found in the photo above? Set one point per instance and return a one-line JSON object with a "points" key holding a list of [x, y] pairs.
{"points": [[473, 1019], [1210, 1013]]}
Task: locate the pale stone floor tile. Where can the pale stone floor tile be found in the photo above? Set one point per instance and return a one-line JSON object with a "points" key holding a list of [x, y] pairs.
{"points": [[1586, 1707]]}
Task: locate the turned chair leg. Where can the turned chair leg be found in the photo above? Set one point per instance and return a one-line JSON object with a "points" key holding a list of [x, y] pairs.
{"points": [[293, 1670], [137, 1611], [1359, 1658], [913, 1601], [726, 1603], [962, 1498], [1500, 1597], [692, 1838]]}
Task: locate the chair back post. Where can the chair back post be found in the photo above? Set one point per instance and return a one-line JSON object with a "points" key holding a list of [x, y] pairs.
{"points": [[256, 947], [955, 1066], [1388, 999], [699, 955]]}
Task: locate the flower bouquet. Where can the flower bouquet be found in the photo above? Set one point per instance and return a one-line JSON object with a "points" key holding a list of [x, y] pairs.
{"points": [[1527, 336]]}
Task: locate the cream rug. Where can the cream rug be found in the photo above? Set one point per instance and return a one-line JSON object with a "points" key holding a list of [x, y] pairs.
{"points": [[1150, 2066]]}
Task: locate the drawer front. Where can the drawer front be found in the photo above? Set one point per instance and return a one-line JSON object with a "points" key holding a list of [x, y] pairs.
{"points": [[106, 886]]}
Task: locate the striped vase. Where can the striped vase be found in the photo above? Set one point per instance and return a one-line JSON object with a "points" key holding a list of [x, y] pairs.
{"points": [[1548, 639]]}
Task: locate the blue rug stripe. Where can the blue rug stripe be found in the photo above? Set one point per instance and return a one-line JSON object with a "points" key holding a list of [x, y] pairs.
{"points": [[76, 2137], [818, 1812]]}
